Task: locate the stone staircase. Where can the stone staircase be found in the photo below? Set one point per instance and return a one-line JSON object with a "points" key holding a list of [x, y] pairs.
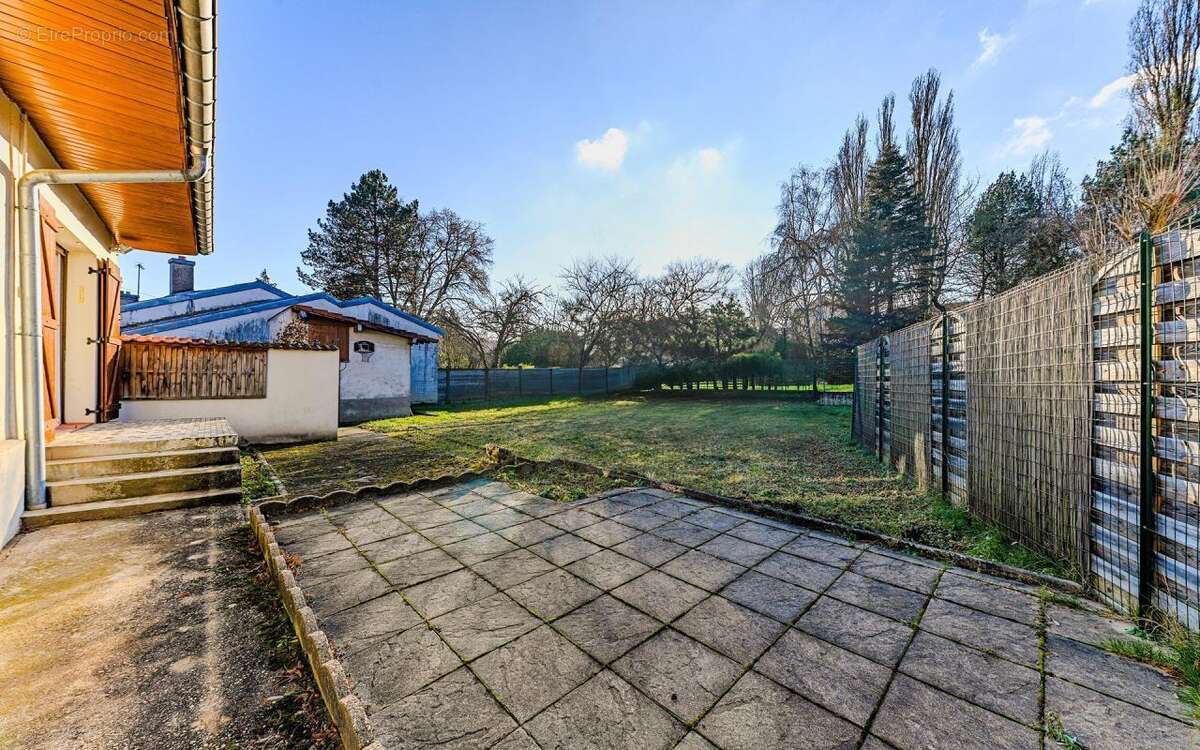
{"points": [[127, 468]]}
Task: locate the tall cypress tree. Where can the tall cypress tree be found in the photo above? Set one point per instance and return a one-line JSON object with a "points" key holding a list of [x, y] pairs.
{"points": [[887, 275]]}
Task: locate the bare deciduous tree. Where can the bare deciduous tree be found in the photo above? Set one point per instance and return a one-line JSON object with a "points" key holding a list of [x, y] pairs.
{"points": [[850, 171], [447, 264], [1164, 51], [493, 319], [598, 294]]}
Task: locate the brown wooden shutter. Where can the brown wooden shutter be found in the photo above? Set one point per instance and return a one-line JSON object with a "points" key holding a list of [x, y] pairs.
{"points": [[50, 319], [108, 378]]}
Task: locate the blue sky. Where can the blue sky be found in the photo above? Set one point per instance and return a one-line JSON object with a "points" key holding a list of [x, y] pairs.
{"points": [[654, 130]]}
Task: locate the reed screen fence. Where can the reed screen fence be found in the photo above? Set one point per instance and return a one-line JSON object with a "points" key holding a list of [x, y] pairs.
{"points": [[192, 370], [1067, 412]]}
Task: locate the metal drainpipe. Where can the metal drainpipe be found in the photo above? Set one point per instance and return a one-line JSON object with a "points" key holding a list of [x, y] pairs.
{"points": [[29, 229]]}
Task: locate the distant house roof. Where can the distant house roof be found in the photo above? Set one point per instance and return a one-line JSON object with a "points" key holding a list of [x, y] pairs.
{"points": [[202, 293], [318, 312], [208, 316], [314, 346]]}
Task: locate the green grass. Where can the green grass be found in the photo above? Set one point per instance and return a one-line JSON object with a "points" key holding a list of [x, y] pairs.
{"points": [[1170, 648], [791, 453], [256, 479]]}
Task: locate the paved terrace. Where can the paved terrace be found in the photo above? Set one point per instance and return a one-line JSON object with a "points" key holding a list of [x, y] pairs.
{"points": [[476, 617]]}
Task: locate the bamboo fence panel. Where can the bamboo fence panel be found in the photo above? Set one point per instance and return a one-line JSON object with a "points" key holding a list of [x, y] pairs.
{"points": [[179, 371], [908, 381]]}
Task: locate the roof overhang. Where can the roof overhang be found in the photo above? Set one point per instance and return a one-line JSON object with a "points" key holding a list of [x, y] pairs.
{"points": [[122, 85], [306, 311]]}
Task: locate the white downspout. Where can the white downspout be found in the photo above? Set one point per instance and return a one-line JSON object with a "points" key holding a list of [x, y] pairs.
{"points": [[30, 237]]}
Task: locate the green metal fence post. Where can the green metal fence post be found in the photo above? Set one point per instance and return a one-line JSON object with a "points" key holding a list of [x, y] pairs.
{"points": [[1146, 562], [945, 405]]}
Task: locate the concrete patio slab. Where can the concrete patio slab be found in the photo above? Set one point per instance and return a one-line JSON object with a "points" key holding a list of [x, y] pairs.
{"points": [[645, 620]]}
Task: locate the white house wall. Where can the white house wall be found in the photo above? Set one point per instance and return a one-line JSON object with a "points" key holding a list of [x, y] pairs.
{"points": [[378, 388]]}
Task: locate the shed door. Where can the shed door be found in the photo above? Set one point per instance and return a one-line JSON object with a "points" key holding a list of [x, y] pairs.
{"points": [[51, 315], [109, 340]]}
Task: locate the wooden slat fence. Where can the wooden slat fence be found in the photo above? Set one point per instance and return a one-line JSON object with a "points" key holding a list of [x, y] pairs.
{"points": [[192, 370], [488, 384]]}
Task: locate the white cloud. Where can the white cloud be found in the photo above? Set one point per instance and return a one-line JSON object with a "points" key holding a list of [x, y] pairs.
{"points": [[1110, 90], [990, 46], [710, 159], [1028, 135], [607, 152]]}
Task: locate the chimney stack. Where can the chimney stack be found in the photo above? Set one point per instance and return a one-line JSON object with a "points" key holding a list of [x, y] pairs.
{"points": [[183, 275]]}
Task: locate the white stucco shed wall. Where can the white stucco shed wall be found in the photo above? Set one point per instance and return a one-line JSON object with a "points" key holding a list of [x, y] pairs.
{"points": [[301, 403], [380, 387]]}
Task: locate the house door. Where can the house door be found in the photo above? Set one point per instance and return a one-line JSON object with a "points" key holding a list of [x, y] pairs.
{"points": [[51, 315], [108, 383]]}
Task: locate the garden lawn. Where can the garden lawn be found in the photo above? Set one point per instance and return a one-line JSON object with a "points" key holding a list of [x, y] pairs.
{"points": [[781, 451]]}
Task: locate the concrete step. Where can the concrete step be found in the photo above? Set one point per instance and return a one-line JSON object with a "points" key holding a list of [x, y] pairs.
{"points": [[142, 484], [133, 506], [135, 463], [56, 452]]}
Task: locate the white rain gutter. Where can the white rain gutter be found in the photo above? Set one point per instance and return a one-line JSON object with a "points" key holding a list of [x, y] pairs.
{"points": [[197, 32], [29, 229]]}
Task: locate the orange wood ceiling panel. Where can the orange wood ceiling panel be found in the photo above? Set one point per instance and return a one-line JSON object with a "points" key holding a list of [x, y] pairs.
{"points": [[100, 82]]}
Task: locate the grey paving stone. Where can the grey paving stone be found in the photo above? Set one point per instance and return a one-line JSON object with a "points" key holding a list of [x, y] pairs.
{"points": [[703, 570], [518, 740], [607, 569], [985, 597], [394, 668], [432, 518], [736, 550], [679, 673], [573, 519], [449, 592], [730, 628], [335, 594], [1117, 676], [605, 713], [843, 682], [542, 508], [478, 506], [607, 533], [879, 597], [988, 633], [810, 574], [455, 712], [823, 551], [1082, 625], [917, 716], [360, 626], [609, 507], [564, 550], [292, 529], [761, 533], [477, 549], [512, 569], [874, 743], [501, 519], [660, 595], [642, 519], [897, 571], [1099, 722], [411, 570], [606, 628], [462, 492], [673, 508], [530, 532], [650, 549], [492, 489], [643, 497], [359, 515], [396, 547], [693, 741], [378, 527], [757, 714], [480, 627], [988, 681], [769, 596], [715, 520], [553, 594], [534, 671], [454, 532], [407, 506], [317, 546], [682, 532], [861, 631], [518, 499], [330, 566]]}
